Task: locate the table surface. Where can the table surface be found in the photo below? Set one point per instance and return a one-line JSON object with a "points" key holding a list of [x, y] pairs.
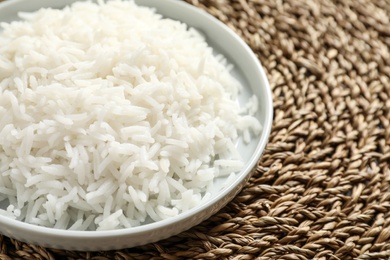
{"points": [[322, 187]]}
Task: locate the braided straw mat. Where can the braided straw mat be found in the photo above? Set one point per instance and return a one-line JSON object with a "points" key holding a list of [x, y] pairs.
{"points": [[322, 187]]}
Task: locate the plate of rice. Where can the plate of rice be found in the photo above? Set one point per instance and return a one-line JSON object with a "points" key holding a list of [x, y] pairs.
{"points": [[122, 122]]}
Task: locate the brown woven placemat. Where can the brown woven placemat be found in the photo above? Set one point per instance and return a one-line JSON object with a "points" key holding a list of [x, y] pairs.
{"points": [[322, 187]]}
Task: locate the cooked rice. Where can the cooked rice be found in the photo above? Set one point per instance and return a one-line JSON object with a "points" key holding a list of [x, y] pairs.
{"points": [[112, 116]]}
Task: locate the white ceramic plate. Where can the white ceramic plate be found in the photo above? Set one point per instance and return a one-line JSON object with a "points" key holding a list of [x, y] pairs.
{"points": [[247, 69]]}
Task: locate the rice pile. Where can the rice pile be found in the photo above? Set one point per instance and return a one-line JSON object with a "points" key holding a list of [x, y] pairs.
{"points": [[112, 116]]}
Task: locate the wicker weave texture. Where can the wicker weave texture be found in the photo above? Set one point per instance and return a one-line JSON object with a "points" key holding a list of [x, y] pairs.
{"points": [[322, 187]]}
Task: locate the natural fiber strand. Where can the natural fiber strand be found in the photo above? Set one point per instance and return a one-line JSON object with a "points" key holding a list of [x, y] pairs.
{"points": [[322, 187]]}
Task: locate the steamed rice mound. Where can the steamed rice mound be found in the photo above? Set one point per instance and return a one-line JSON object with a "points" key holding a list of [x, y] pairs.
{"points": [[111, 116]]}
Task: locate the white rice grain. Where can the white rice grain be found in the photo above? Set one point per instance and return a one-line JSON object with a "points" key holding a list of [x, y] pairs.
{"points": [[112, 116]]}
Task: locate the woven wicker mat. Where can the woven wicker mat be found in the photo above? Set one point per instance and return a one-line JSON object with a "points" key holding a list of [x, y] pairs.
{"points": [[322, 187]]}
